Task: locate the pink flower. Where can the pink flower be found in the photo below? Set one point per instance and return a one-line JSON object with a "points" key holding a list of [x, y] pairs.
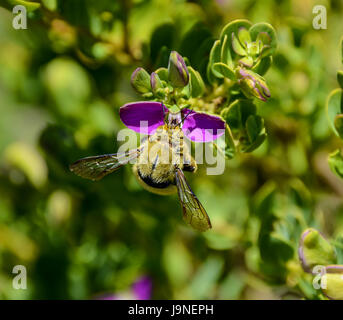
{"points": [[198, 127]]}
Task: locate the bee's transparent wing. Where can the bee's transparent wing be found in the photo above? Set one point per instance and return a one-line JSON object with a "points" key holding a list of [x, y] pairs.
{"points": [[95, 168], [193, 211]]}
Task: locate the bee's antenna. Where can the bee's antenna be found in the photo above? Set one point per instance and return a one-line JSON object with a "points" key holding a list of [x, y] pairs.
{"points": [[164, 113], [182, 120]]}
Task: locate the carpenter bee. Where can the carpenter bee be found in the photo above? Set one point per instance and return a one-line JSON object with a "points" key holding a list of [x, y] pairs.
{"points": [[160, 161]]}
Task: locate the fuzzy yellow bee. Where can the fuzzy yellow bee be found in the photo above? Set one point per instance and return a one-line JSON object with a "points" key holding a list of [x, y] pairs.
{"points": [[162, 156]]}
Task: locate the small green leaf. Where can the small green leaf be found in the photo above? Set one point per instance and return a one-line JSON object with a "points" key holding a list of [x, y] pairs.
{"points": [[264, 37], [334, 107], [233, 27], [162, 73], [336, 162], [187, 91], [197, 84], [340, 78], [225, 52], [236, 46], [214, 58], [224, 70], [244, 36], [253, 146], [230, 148], [338, 244], [247, 61], [263, 65], [237, 113], [339, 125], [161, 39], [253, 49], [258, 28], [254, 126], [30, 6]]}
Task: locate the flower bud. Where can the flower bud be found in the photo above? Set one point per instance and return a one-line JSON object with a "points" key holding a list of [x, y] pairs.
{"points": [[332, 282], [156, 83], [140, 81], [178, 75], [315, 250], [252, 84]]}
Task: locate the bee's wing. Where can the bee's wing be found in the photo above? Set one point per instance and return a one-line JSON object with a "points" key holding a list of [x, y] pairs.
{"points": [[193, 211], [97, 167]]}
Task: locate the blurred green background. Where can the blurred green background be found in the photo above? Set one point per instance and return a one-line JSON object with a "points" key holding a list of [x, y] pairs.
{"points": [[62, 82]]}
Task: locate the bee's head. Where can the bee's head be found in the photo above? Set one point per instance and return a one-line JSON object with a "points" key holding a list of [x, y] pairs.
{"points": [[174, 119]]}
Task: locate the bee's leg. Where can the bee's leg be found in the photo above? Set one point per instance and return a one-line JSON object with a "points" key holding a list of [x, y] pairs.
{"points": [[190, 165]]}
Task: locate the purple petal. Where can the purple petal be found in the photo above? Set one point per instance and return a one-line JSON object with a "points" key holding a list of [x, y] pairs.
{"points": [[142, 288], [143, 117], [202, 127]]}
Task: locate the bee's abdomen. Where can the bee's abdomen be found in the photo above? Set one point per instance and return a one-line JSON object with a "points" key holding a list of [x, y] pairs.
{"points": [[153, 183]]}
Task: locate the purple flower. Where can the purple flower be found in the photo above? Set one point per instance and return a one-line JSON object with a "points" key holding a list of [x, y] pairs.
{"points": [[141, 289], [202, 127], [143, 117], [146, 117]]}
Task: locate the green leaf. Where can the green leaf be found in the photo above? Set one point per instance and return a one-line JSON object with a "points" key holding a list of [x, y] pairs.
{"points": [[339, 125], [233, 27], [334, 107], [247, 61], [230, 147], [161, 39], [338, 244], [187, 90], [197, 37], [275, 249], [254, 126], [253, 146], [225, 55], [336, 162], [244, 36], [340, 78], [197, 84], [237, 113], [29, 5], [206, 276], [264, 38], [215, 57], [262, 27], [263, 65], [162, 73], [236, 46], [224, 70]]}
